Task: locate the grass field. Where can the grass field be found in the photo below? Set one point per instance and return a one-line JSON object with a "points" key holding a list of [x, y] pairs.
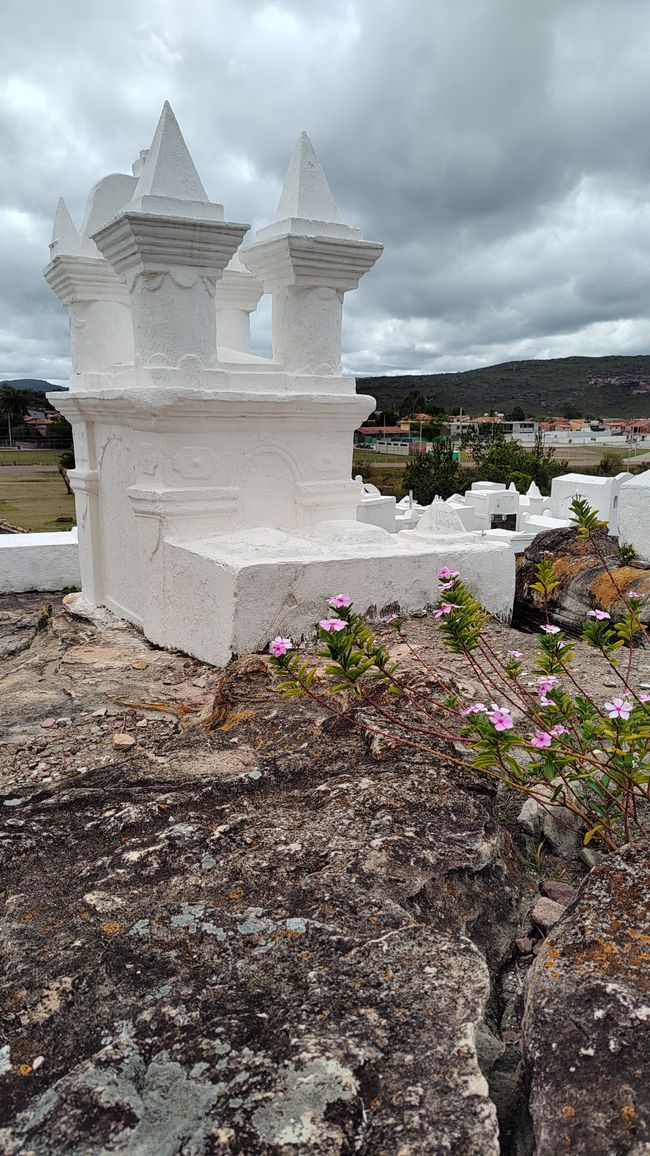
{"points": [[361, 455], [30, 457], [37, 502]]}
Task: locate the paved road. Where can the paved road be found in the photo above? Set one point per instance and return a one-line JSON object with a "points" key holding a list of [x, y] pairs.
{"points": [[27, 469]]}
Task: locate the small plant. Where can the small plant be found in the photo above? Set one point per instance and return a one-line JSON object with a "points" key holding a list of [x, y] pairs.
{"points": [[625, 554], [593, 756]]}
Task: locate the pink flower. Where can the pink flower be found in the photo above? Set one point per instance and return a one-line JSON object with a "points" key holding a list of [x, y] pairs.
{"points": [[476, 708], [280, 646], [559, 730], [633, 594], [332, 625], [619, 708], [500, 716], [550, 629], [445, 573], [644, 698], [446, 608], [446, 585], [515, 654], [541, 739], [601, 615], [391, 618], [340, 600], [546, 683]]}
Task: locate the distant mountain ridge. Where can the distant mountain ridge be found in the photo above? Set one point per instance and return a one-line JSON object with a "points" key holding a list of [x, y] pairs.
{"points": [[616, 386], [35, 384]]}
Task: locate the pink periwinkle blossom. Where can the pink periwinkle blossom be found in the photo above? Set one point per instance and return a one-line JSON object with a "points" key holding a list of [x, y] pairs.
{"points": [[446, 608], [559, 730], [391, 618], [445, 573], [545, 684], [446, 585], [548, 628], [515, 654], [601, 615], [619, 708], [500, 716], [644, 698], [541, 739], [633, 594], [280, 646], [332, 625], [340, 600], [475, 708]]}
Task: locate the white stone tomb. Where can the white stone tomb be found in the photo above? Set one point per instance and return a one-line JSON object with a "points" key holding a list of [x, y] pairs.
{"points": [[214, 495]]}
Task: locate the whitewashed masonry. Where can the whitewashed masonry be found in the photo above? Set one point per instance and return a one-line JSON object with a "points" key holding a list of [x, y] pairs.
{"points": [[214, 495]]}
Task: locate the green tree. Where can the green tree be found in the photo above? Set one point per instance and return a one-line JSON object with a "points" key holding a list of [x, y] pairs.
{"points": [[516, 414], [412, 403], [433, 475], [499, 460]]}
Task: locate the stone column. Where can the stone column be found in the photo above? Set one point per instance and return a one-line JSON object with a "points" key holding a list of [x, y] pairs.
{"points": [[170, 244], [307, 259], [101, 333], [237, 296]]}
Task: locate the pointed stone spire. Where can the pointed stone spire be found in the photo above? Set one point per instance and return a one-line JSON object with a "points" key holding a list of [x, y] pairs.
{"points": [[235, 266], [533, 491], [306, 193], [306, 206], [138, 164], [169, 170], [65, 238], [512, 488]]}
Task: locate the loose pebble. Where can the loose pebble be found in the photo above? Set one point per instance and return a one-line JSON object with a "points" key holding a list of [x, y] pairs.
{"points": [[562, 893], [546, 913], [122, 742]]}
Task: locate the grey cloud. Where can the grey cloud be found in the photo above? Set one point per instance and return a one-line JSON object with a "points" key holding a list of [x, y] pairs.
{"points": [[499, 149]]}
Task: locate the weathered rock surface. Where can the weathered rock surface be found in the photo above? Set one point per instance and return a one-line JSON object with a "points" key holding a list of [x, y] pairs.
{"points": [[587, 1018], [552, 822], [584, 583], [277, 936]]}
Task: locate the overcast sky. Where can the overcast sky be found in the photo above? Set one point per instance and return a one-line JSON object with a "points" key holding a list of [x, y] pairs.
{"points": [[500, 149]]}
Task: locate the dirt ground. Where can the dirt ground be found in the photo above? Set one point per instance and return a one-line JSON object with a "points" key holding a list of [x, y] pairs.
{"points": [[74, 687]]}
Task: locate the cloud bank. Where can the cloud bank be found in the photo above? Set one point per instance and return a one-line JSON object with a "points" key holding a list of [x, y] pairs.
{"points": [[499, 149]]}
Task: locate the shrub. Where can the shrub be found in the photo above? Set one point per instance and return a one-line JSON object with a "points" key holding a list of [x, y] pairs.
{"points": [[556, 744]]}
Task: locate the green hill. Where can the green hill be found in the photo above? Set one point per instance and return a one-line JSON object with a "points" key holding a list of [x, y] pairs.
{"points": [[32, 385], [596, 386]]}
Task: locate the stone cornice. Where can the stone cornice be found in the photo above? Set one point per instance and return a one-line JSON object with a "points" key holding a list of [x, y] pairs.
{"points": [[75, 279], [310, 261], [164, 501], [147, 243], [161, 409]]}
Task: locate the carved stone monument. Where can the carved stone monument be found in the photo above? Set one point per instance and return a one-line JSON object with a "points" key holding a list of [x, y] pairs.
{"points": [[214, 495]]}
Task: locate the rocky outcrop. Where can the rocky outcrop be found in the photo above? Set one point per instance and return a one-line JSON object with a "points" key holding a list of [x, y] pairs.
{"points": [[584, 583], [587, 1018], [277, 936]]}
